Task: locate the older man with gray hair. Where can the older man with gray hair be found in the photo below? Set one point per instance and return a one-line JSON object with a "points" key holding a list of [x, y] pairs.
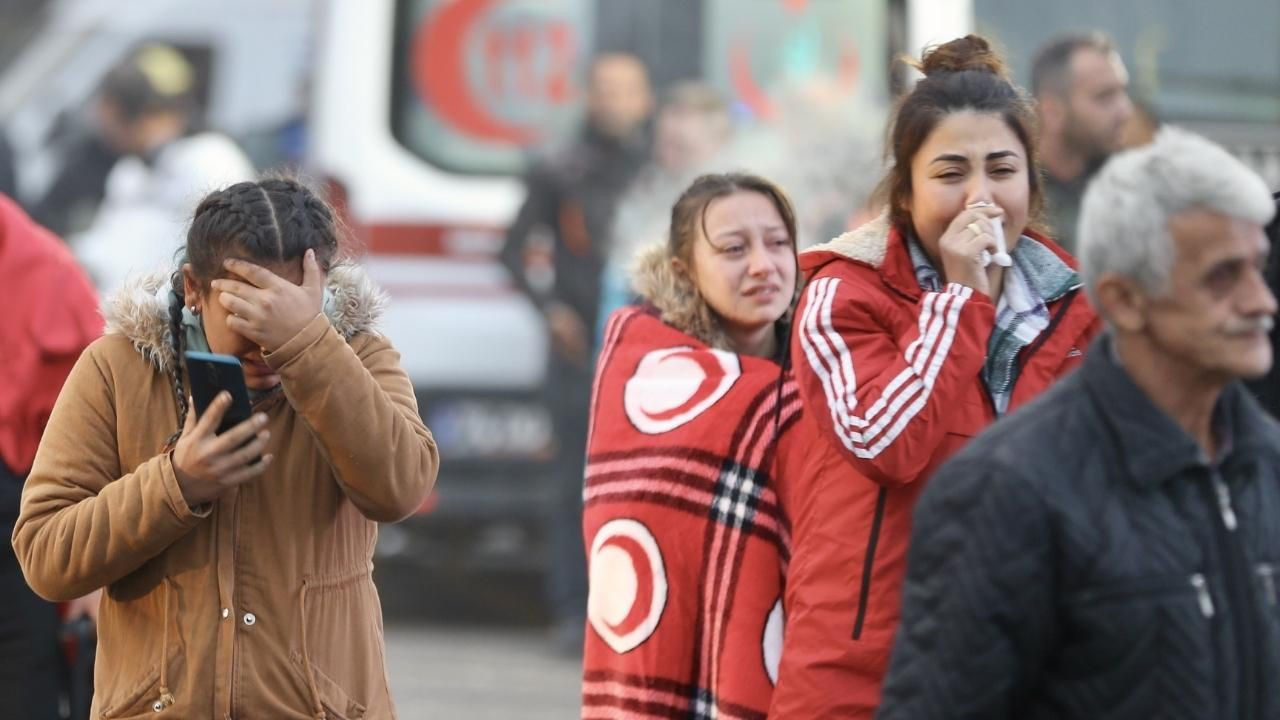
{"points": [[1111, 550]]}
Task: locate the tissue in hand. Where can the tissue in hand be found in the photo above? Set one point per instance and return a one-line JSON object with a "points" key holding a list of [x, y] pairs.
{"points": [[1001, 255]]}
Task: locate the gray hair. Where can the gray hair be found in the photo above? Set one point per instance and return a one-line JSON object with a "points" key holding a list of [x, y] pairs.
{"points": [[1124, 218]]}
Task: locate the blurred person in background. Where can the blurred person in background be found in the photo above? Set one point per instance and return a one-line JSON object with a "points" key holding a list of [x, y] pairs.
{"points": [[1081, 87], [51, 315], [910, 340], [75, 194], [684, 494], [8, 174], [146, 114], [692, 128], [571, 196], [823, 145], [1110, 551], [238, 566]]}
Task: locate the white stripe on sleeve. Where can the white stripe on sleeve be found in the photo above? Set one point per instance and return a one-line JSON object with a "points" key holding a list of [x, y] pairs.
{"points": [[905, 395]]}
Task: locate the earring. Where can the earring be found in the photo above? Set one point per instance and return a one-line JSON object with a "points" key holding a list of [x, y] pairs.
{"points": [[195, 310]]}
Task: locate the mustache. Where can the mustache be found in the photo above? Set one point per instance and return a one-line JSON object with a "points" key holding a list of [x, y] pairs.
{"points": [[1261, 323]]}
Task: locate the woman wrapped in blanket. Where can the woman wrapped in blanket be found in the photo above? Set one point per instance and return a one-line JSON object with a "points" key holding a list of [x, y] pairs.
{"points": [[237, 566], [683, 523], [913, 334]]}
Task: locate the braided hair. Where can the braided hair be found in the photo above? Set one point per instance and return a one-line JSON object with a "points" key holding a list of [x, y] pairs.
{"points": [[272, 220]]}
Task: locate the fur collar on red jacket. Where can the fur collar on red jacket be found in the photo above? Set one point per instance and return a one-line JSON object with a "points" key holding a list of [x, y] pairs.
{"points": [[879, 245]]}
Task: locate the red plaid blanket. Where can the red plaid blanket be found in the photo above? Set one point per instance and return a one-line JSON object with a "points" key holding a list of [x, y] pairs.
{"points": [[686, 542]]}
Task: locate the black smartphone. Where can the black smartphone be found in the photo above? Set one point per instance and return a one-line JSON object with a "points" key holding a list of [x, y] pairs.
{"points": [[210, 374]]}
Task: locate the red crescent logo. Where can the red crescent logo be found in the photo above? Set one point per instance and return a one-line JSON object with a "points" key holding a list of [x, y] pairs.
{"points": [[628, 584], [771, 641], [440, 73], [644, 583], [714, 374], [671, 386], [744, 82]]}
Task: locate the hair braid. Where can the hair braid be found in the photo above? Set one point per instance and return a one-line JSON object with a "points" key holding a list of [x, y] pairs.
{"points": [[177, 340], [272, 220]]}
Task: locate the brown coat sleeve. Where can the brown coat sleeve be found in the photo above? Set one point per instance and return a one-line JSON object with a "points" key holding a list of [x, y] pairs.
{"points": [[360, 405], [84, 523]]}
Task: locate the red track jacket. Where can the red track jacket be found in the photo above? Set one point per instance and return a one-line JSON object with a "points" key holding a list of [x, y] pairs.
{"points": [[890, 381]]}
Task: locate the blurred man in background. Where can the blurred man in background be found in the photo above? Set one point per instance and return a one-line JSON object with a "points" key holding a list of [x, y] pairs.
{"points": [[146, 113], [51, 315], [572, 194], [1081, 90]]}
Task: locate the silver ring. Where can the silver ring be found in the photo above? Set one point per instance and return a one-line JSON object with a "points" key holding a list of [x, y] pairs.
{"points": [[979, 204]]}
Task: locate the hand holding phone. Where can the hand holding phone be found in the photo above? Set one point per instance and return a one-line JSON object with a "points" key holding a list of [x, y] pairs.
{"points": [[222, 441], [210, 374]]}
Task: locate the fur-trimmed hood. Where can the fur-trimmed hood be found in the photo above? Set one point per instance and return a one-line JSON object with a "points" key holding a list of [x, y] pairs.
{"points": [[869, 244], [140, 310], [677, 300]]}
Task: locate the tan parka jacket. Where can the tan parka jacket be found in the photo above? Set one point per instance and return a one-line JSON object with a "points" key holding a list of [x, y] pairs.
{"points": [[263, 606]]}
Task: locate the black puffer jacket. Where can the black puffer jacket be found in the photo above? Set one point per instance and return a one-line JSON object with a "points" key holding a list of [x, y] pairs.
{"points": [[1083, 560]]}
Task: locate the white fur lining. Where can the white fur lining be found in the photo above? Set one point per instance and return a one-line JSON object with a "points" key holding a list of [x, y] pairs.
{"points": [[140, 310], [868, 243]]}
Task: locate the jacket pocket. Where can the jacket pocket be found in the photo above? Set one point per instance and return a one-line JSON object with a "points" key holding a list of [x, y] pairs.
{"points": [[1266, 578], [1149, 589], [868, 564], [1141, 632], [142, 699], [968, 417], [335, 701], [340, 654]]}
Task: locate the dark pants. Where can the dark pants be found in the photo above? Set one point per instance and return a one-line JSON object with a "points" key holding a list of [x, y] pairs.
{"points": [[568, 400], [31, 668]]}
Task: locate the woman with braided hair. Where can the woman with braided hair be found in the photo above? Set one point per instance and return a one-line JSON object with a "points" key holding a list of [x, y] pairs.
{"points": [[237, 567]]}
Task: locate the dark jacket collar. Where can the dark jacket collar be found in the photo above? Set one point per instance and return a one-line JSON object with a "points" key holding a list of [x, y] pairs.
{"points": [[1153, 447]]}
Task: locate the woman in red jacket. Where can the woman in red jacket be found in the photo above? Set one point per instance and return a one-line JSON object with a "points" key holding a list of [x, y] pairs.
{"points": [[914, 333]]}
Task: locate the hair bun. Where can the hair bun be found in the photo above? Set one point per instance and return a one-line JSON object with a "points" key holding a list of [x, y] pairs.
{"points": [[971, 52]]}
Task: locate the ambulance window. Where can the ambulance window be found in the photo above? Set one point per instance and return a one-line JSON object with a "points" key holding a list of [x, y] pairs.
{"points": [[837, 49], [477, 82]]}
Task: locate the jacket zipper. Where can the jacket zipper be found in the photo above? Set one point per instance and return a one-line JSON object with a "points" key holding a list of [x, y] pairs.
{"points": [[1035, 345], [1203, 595], [864, 592], [1139, 587], [1267, 574], [1241, 596]]}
